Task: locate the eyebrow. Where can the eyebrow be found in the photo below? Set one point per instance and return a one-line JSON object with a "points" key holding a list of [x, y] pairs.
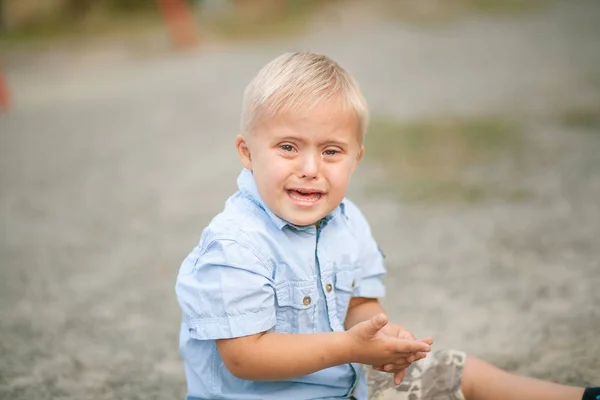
{"points": [[302, 140]]}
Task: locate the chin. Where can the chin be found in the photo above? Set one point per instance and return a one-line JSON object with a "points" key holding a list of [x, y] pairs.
{"points": [[306, 221], [302, 221]]}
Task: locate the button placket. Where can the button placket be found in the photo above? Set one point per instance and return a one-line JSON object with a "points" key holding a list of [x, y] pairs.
{"points": [[330, 298]]}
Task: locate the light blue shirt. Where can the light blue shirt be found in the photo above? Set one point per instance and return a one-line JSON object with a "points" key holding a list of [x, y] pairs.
{"points": [[254, 272]]}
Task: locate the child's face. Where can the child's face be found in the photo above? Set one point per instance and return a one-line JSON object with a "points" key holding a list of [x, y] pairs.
{"points": [[302, 162]]}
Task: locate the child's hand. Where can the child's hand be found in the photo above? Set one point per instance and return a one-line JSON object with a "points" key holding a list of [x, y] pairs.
{"points": [[399, 331], [398, 368], [372, 346]]}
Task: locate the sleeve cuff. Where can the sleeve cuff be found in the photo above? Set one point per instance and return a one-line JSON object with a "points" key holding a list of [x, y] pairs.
{"points": [[231, 326], [371, 288]]}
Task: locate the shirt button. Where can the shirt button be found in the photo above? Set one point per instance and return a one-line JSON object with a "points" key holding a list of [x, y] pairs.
{"points": [[328, 287], [306, 301], [353, 284]]}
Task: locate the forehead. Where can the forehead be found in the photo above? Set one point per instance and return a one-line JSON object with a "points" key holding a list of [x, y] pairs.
{"points": [[323, 121]]}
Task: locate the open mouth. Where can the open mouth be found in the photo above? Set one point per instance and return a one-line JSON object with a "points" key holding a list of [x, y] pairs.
{"points": [[305, 195]]}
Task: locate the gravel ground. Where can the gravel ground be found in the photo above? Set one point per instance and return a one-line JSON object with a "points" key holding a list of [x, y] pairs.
{"points": [[110, 166]]}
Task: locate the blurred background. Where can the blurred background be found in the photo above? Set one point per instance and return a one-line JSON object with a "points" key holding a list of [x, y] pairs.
{"points": [[481, 180]]}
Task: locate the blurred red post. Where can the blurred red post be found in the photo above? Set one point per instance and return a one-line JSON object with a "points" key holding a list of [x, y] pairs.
{"points": [[4, 92], [179, 18]]}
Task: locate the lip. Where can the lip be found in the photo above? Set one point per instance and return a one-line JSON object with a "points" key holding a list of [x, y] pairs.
{"points": [[306, 190], [305, 203]]}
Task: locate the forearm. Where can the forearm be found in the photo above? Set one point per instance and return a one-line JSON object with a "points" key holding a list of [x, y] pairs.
{"points": [[361, 309], [277, 356]]}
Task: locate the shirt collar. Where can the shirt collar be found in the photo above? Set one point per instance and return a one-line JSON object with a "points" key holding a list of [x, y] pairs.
{"points": [[247, 186]]}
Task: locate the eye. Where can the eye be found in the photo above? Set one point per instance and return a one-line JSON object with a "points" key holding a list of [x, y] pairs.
{"points": [[331, 152], [286, 147]]}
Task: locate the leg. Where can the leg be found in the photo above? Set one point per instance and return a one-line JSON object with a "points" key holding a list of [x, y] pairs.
{"points": [[437, 377], [452, 375], [483, 381]]}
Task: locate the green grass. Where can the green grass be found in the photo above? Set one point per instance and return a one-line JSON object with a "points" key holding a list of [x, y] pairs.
{"points": [[249, 20], [582, 118], [441, 11], [497, 6], [93, 25], [264, 18], [428, 160]]}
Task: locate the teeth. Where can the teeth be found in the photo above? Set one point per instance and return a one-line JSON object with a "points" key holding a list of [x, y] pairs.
{"points": [[296, 195]]}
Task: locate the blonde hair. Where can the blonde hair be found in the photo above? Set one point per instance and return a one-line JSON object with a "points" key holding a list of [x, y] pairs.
{"points": [[301, 81]]}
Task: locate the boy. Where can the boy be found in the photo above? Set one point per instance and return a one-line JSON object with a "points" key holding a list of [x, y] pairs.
{"points": [[279, 298]]}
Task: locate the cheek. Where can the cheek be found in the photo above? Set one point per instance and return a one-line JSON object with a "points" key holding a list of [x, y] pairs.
{"points": [[279, 168], [271, 170], [264, 161], [339, 175]]}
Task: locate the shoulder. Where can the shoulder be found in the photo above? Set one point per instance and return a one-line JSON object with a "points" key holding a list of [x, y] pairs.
{"points": [[243, 224], [354, 216]]}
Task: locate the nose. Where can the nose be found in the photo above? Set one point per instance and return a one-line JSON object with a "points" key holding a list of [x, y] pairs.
{"points": [[309, 165]]}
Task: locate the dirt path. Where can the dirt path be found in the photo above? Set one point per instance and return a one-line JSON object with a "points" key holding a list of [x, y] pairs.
{"points": [[110, 169]]}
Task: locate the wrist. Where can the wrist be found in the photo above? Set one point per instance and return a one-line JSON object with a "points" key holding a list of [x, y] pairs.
{"points": [[350, 348]]}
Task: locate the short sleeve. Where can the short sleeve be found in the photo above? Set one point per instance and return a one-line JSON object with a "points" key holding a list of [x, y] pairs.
{"points": [[225, 291], [372, 268]]}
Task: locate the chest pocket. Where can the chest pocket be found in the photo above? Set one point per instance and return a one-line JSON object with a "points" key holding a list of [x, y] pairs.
{"points": [[297, 307], [345, 284]]}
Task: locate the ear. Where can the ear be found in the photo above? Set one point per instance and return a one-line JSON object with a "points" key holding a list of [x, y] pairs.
{"points": [[243, 151], [359, 157]]}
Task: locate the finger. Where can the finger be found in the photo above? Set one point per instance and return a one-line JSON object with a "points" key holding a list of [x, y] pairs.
{"points": [[378, 368], [411, 346], [420, 355], [393, 368], [376, 323], [403, 362], [399, 377], [398, 355], [406, 335], [396, 366], [427, 339]]}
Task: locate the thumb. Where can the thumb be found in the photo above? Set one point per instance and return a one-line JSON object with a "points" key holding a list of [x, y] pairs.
{"points": [[377, 322]]}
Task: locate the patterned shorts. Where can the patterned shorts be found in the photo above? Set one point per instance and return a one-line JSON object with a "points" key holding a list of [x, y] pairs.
{"points": [[436, 377]]}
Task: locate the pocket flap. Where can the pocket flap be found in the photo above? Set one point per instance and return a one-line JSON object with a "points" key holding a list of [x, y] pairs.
{"points": [[300, 295], [345, 280]]}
